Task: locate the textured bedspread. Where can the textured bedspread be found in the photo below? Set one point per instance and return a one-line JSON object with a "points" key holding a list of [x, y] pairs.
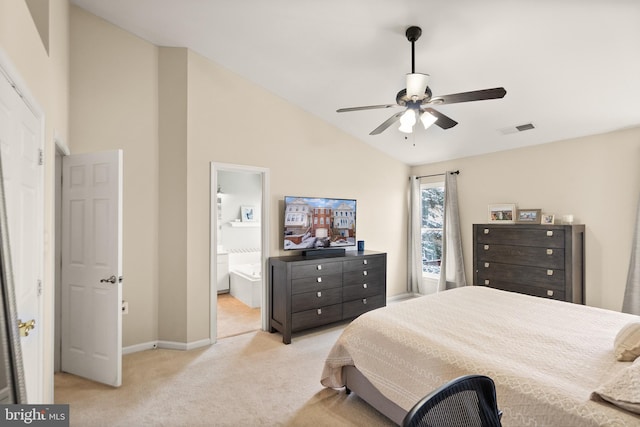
{"points": [[546, 357]]}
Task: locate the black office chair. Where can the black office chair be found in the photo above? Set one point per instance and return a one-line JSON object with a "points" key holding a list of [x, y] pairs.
{"points": [[468, 401]]}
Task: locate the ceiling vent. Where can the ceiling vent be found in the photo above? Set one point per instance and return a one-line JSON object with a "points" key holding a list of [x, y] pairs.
{"points": [[516, 129]]}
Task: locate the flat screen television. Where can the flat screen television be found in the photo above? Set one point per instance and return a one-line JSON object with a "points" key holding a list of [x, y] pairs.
{"points": [[318, 222]]}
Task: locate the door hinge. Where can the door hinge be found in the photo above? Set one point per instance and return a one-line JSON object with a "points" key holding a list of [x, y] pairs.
{"points": [[39, 287], [40, 157]]}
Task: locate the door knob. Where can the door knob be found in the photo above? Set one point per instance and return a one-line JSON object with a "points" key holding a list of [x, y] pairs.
{"points": [[25, 327], [112, 279]]}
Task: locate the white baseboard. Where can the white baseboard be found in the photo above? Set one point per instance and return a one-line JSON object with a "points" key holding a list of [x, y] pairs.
{"points": [[401, 297], [172, 345], [140, 347], [169, 345]]}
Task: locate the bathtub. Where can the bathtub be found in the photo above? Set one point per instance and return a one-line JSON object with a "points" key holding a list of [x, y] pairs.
{"points": [[245, 283]]}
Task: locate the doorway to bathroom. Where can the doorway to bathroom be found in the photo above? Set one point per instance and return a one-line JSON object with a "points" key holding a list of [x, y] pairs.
{"points": [[239, 248]]}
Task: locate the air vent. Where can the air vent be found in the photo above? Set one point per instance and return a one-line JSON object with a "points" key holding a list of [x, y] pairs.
{"points": [[516, 129]]}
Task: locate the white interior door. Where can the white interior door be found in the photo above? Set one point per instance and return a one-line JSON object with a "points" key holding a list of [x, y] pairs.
{"points": [[21, 151], [91, 284]]}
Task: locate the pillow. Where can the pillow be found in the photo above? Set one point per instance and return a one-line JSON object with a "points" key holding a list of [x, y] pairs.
{"points": [[623, 390], [627, 342]]}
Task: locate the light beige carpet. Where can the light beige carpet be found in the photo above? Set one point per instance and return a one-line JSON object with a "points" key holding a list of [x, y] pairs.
{"points": [[244, 380]]}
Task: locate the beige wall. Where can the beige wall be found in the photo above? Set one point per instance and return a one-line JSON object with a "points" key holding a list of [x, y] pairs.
{"points": [[596, 178], [124, 89], [114, 105], [172, 235], [301, 152], [45, 77]]}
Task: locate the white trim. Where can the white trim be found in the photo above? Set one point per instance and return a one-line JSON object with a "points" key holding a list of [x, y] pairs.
{"points": [[13, 76], [140, 347], [168, 345], [172, 345], [264, 221], [401, 297], [61, 146]]}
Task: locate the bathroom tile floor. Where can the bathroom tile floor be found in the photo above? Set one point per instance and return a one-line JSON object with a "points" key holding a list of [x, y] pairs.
{"points": [[235, 318]]}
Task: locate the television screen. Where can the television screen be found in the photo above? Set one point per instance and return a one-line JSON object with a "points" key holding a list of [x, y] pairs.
{"points": [[314, 222]]}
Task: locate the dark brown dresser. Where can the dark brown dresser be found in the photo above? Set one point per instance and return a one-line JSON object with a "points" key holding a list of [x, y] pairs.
{"points": [[310, 292], [541, 260]]}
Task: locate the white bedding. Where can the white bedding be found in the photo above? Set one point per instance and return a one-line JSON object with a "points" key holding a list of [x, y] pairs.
{"points": [[546, 357]]}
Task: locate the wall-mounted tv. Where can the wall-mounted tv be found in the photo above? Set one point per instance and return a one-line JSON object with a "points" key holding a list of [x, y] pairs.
{"points": [[316, 222]]}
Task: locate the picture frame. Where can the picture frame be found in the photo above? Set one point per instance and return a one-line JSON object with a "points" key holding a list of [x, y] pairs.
{"points": [[547, 219], [247, 214], [528, 216], [502, 213]]}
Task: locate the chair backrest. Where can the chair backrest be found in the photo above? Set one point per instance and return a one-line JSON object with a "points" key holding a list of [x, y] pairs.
{"points": [[468, 401]]}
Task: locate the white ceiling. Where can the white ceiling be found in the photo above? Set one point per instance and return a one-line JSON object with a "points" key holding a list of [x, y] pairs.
{"points": [[570, 67]]}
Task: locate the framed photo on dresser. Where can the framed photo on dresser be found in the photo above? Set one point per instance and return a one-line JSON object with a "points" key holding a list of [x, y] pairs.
{"points": [[528, 216], [502, 213]]}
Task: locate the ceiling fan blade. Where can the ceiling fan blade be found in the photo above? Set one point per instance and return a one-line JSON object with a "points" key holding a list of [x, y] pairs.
{"points": [[476, 95], [391, 120], [367, 107], [445, 122]]}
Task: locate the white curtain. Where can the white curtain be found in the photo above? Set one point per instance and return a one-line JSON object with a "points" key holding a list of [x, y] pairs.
{"points": [[631, 303], [452, 262], [414, 254]]}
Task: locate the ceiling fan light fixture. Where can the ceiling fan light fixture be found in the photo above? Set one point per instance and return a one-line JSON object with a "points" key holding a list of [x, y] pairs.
{"points": [[407, 120], [427, 119], [417, 85]]}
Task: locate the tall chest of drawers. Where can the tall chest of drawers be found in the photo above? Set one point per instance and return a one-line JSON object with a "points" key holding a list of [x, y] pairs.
{"points": [[540, 260], [310, 292]]}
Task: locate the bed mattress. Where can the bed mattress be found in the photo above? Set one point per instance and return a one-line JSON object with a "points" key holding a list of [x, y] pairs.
{"points": [[546, 357]]}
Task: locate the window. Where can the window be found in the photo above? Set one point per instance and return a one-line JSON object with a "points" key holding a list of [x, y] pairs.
{"points": [[432, 202]]}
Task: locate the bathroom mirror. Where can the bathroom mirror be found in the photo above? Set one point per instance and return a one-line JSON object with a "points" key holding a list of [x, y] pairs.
{"points": [[12, 383]]}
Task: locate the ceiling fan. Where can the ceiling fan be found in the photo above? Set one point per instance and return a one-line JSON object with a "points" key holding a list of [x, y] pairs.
{"points": [[417, 97]]}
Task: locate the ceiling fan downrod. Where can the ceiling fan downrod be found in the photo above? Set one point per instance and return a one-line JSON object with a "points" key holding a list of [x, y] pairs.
{"points": [[413, 34]]}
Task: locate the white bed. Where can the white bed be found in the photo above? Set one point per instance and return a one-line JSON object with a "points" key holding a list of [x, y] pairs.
{"points": [[546, 357]]}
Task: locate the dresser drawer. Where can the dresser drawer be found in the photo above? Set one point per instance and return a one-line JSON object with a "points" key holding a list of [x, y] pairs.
{"points": [[317, 269], [316, 283], [309, 300], [538, 291], [363, 276], [520, 274], [521, 237], [362, 291], [357, 307], [521, 255], [368, 263], [316, 317]]}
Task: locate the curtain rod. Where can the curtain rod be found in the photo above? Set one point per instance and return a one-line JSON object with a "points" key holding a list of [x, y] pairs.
{"points": [[438, 174]]}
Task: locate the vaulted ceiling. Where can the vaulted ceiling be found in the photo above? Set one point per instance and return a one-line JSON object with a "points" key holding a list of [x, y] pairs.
{"points": [[570, 67]]}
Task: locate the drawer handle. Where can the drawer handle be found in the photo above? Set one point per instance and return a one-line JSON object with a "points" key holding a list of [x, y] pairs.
{"points": [[486, 231], [364, 262], [486, 281], [364, 285], [319, 267], [364, 300], [486, 265], [319, 294], [486, 247], [364, 273], [319, 280], [549, 293], [549, 233], [549, 251], [549, 272], [319, 311]]}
